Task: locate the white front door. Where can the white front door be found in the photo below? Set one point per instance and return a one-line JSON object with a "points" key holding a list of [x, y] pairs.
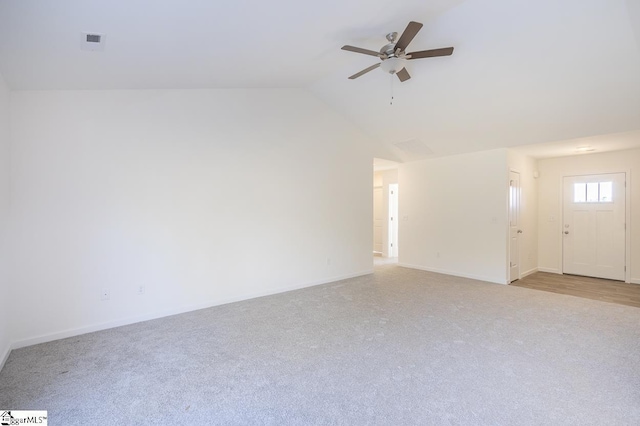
{"points": [[378, 219], [593, 229], [514, 226]]}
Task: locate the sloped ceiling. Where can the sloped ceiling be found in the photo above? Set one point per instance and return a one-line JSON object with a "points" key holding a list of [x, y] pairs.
{"points": [[523, 71], [182, 44]]}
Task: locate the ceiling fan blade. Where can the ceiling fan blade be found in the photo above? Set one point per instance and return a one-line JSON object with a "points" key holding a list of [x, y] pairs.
{"points": [[408, 35], [361, 50], [447, 51], [364, 71], [403, 75]]}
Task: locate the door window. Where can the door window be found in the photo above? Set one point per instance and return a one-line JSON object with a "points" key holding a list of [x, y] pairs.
{"points": [[593, 192]]}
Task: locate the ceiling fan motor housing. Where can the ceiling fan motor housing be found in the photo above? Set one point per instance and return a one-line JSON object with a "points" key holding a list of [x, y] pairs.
{"points": [[392, 61], [388, 50]]}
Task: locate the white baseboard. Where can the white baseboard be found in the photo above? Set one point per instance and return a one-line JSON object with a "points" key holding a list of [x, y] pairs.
{"points": [[634, 280], [454, 273], [180, 310], [4, 357], [529, 272], [550, 270]]}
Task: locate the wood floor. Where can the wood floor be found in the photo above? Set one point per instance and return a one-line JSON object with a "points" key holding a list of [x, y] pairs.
{"points": [[589, 288]]}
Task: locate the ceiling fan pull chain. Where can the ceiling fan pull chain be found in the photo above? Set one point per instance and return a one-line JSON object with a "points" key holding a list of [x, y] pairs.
{"points": [[391, 86]]}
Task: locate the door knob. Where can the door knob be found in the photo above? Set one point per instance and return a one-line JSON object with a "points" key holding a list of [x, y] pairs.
{"points": [[519, 231], [566, 232]]}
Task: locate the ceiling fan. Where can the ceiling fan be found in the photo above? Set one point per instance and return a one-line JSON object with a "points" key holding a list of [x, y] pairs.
{"points": [[394, 56]]}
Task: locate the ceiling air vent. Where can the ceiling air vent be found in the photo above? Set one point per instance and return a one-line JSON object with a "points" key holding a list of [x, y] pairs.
{"points": [[92, 41], [414, 147]]}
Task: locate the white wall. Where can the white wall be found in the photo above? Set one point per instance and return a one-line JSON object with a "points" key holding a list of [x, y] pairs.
{"points": [[384, 178], [526, 166], [453, 215], [550, 202], [202, 196], [5, 297]]}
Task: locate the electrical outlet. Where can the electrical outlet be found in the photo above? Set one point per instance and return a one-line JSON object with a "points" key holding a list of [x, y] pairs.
{"points": [[105, 294], [328, 261], [140, 290]]}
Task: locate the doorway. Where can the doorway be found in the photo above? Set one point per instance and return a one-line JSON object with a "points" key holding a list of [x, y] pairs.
{"points": [[378, 219], [385, 211], [514, 226], [594, 226]]}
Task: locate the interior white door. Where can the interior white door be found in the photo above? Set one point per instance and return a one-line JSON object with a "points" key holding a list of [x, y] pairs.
{"points": [[594, 226], [514, 226], [393, 220], [378, 219]]}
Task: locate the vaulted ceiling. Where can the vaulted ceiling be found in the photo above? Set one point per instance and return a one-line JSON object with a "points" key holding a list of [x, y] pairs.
{"points": [[523, 71], [183, 44]]}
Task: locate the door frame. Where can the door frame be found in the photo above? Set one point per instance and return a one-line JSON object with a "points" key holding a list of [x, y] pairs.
{"points": [[511, 170], [393, 226], [627, 215], [381, 189]]}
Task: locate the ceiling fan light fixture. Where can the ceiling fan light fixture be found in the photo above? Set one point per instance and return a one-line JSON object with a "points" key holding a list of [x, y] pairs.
{"points": [[392, 65]]}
